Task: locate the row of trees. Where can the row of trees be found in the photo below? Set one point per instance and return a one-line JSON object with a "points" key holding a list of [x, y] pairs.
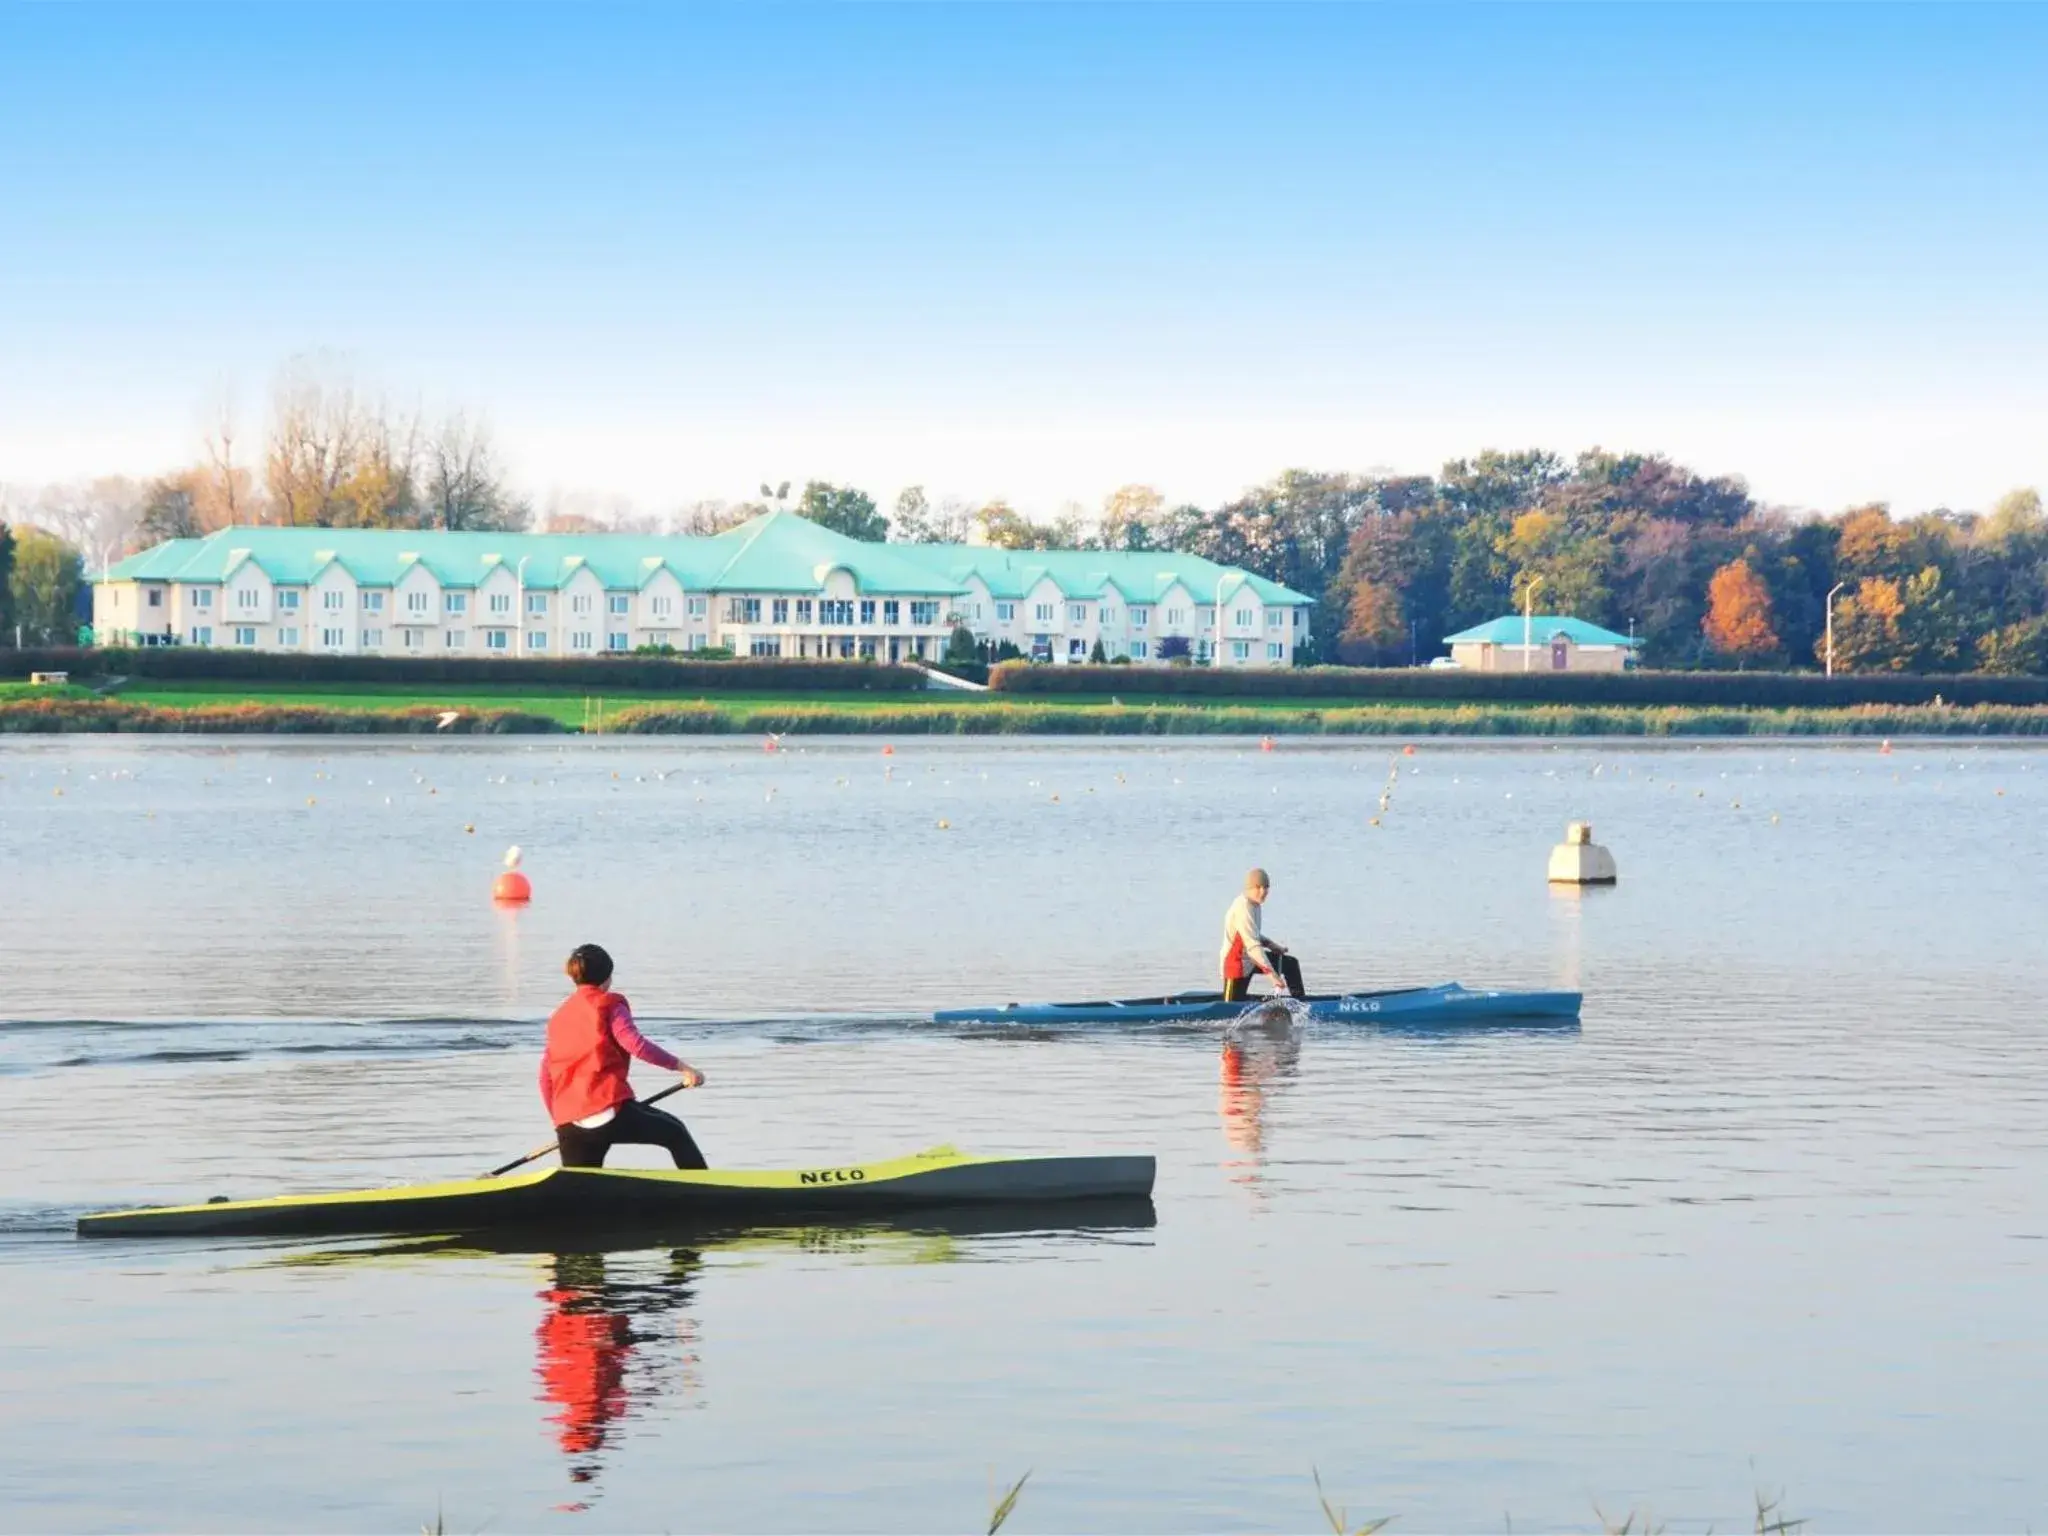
{"points": [[39, 585]]}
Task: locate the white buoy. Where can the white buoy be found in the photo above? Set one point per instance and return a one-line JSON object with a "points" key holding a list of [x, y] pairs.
{"points": [[1578, 860]]}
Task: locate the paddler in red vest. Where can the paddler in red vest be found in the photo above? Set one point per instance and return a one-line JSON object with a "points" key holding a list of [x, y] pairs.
{"points": [[591, 1038], [1247, 951]]}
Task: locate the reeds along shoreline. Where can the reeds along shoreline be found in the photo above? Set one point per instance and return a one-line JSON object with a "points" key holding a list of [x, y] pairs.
{"points": [[66, 715]]}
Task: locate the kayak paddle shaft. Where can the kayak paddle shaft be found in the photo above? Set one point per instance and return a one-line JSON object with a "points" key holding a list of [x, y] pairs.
{"points": [[520, 1162]]}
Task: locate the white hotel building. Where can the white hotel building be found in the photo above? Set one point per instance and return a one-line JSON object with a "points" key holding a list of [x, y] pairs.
{"points": [[777, 585]]}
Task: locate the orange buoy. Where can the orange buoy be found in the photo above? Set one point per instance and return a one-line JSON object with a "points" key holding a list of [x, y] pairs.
{"points": [[512, 889], [888, 751], [1265, 743], [1408, 751]]}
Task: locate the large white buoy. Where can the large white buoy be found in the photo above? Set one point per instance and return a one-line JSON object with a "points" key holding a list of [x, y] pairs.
{"points": [[1578, 860]]}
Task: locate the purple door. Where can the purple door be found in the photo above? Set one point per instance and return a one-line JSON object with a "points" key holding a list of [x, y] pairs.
{"points": [[1560, 654]]}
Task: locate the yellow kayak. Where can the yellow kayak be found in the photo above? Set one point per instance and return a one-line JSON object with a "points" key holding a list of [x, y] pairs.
{"points": [[571, 1197]]}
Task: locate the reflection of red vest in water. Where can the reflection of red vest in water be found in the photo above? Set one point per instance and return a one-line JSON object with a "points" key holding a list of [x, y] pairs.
{"points": [[582, 1368], [586, 1067]]}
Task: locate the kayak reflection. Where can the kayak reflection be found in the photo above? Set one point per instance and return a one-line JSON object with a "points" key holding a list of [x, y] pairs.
{"points": [[618, 1330]]}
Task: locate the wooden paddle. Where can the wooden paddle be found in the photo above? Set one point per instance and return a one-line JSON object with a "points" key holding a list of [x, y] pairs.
{"points": [[520, 1162]]}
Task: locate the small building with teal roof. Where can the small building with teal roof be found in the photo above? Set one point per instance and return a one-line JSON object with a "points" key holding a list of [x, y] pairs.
{"points": [[1544, 642], [776, 585]]}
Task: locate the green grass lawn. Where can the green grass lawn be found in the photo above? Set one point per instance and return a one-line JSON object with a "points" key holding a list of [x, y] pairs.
{"points": [[575, 707]]}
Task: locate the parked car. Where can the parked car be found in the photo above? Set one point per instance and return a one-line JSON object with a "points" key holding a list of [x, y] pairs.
{"points": [[1441, 661]]}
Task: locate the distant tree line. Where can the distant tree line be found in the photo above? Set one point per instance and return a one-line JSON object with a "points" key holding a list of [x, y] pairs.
{"points": [[1691, 565]]}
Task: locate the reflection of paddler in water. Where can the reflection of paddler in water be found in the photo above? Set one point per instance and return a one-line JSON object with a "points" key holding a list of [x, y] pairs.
{"points": [[586, 1341], [1253, 1058]]}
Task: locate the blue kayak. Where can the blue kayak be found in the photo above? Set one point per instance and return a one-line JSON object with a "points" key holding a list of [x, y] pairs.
{"points": [[1446, 1004]]}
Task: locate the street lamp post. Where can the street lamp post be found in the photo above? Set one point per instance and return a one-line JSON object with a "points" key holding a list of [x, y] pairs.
{"points": [[1831, 626], [1529, 619]]}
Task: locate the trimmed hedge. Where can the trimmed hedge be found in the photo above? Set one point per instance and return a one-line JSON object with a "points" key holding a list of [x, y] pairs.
{"points": [[1394, 721], [1738, 690], [598, 673], [66, 716]]}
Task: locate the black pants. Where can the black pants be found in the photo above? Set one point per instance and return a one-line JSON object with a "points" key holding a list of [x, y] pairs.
{"points": [[635, 1125], [1237, 988]]}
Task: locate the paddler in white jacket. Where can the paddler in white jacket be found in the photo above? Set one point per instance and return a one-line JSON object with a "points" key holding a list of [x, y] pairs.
{"points": [[1246, 949]]}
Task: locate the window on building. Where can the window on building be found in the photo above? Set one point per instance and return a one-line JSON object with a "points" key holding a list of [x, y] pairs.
{"points": [[779, 614], [835, 610], [1299, 616], [156, 597], [618, 603], [1044, 613], [245, 634], [373, 602], [1276, 650], [373, 639], [580, 603], [924, 613], [803, 610], [1137, 650], [867, 611], [696, 640], [1140, 617], [1244, 618], [202, 597], [288, 602], [766, 645], [501, 602], [1176, 616], [743, 610], [1005, 612], [536, 639], [1077, 649], [333, 638], [248, 599], [416, 603], [892, 611], [498, 640], [867, 647], [663, 607], [456, 602], [1077, 613], [455, 639], [1240, 650], [582, 640], [617, 640], [699, 606], [1102, 615], [412, 639], [1275, 618]]}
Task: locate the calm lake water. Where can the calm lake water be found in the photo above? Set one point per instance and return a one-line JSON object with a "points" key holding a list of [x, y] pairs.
{"points": [[1775, 1217]]}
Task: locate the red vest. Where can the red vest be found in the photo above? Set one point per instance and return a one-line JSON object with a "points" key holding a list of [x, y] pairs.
{"points": [[586, 1067]]}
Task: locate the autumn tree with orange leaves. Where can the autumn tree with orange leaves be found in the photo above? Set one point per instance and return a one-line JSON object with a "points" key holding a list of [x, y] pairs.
{"points": [[1738, 621]]}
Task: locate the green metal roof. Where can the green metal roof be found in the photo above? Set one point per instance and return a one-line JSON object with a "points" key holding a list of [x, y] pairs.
{"points": [[1542, 628], [775, 552], [1140, 576]]}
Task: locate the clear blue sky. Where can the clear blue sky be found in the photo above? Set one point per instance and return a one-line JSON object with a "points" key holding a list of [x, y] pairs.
{"points": [[1037, 252]]}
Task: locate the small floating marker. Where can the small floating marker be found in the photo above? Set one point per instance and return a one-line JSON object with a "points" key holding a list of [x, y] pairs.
{"points": [[469, 826], [1578, 860], [1408, 751], [58, 792], [1055, 799], [1774, 818], [311, 801], [1374, 822], [945, 825], [888, 751], [1884, 747], [1265, 743]]}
